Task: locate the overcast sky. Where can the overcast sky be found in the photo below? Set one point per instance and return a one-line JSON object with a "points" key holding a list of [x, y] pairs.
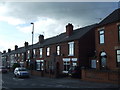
{"points": [[49, 19]]}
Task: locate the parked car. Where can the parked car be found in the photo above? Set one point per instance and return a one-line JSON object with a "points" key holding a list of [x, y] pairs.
{"points": [[3, 69], [21, 72], [75, 71]]}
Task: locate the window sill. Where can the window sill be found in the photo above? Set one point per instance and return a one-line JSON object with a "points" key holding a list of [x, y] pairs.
{"points": [[70, 55], [65, 71]]}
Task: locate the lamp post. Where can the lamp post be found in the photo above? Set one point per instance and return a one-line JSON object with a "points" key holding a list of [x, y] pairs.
{"points": [[31, 66]]}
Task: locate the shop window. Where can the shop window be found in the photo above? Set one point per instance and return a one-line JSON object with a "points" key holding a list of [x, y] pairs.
{"points": [[66, 65], [39, 65]]}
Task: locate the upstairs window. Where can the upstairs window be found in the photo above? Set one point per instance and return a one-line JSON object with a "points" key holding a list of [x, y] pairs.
{"points": [[34, 53], [58, 50], [22, 56], [40, 52], [48, 51], [71, 49], [18, 56], [28, 54], [101, 37], [118, 58], [119, 32]]}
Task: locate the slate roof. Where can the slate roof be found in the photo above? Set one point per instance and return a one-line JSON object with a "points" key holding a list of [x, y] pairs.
{"points": [[113, 17], [77, 34]]}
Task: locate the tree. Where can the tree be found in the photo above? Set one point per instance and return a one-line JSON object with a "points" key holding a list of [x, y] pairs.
{"points": [[15, 65]]}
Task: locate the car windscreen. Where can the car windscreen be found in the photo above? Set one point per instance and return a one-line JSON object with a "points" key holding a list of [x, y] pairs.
{"points": [[22, 70]]}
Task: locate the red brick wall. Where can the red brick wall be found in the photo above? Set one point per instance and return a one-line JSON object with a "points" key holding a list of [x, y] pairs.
{"points": [[101, 76], [111, 40], [87, 48]]}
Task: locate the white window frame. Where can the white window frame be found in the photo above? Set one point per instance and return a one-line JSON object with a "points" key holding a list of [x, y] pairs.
{"points": [[41, 52], [118, 57], [101, 36], [22, 64], [74, 62], [22, 56], [71, 49], [58, 50], [28, 54], [40, 65], [18, 54], [48, 51], [34, 53], [66, 65]]}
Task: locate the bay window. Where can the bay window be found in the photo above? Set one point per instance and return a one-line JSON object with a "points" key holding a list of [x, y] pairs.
{"points": [[66, 65], [39, 65]]}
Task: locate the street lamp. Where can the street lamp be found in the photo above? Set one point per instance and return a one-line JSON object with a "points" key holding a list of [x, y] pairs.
{"points": [[32, 45]]}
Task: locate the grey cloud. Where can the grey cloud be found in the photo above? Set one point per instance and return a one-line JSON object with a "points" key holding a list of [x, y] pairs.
{"points": [[79, 12]]}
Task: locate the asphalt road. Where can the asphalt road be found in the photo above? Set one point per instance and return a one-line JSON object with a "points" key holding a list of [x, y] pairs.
{"points": [[9, 81]]}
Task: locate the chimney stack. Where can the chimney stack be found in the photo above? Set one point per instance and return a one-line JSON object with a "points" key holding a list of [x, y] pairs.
{"points": [[9, 50], [41, 38], [16, 47], [4, 51], [26, 44], [69, 29]]}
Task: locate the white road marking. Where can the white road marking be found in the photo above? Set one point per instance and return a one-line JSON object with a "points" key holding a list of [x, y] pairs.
{"points": [[18, 79]]}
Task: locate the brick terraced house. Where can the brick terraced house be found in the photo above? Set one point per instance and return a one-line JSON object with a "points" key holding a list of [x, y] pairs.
{"points": [[106, 65]]}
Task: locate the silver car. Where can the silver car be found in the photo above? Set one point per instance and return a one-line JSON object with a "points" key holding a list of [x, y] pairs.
{"points": [[21, 72]]}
